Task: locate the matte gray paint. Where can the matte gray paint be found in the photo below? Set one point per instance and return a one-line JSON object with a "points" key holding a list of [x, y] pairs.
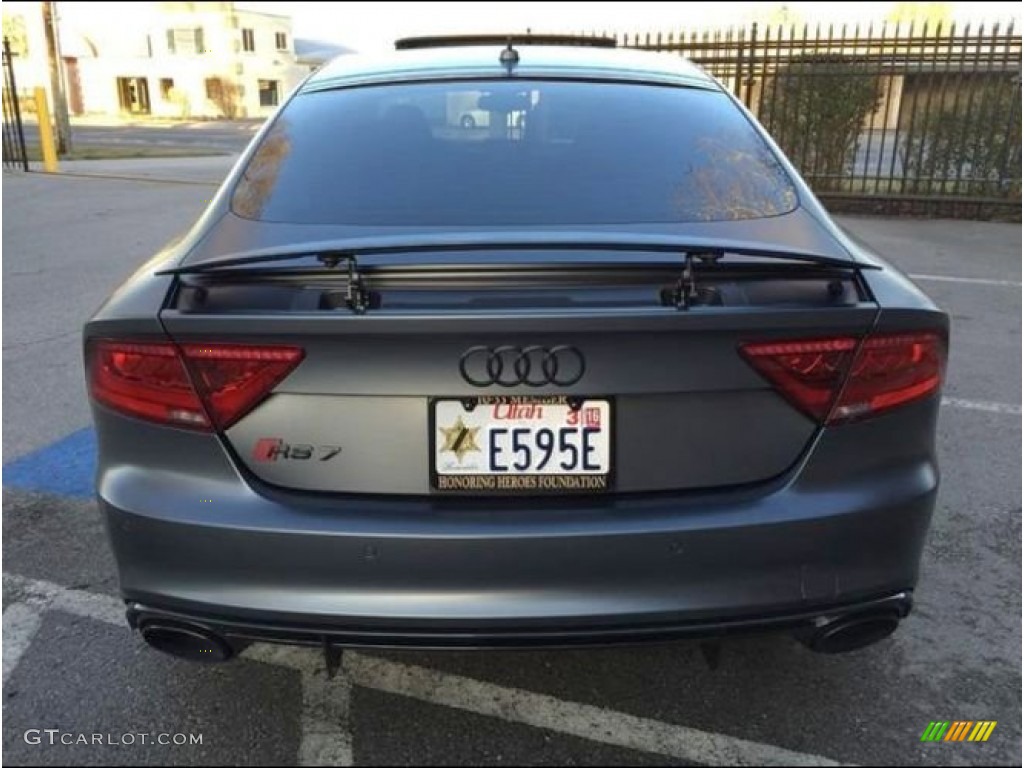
{"points": [[659, 443], [846, 519], [820, 534]]}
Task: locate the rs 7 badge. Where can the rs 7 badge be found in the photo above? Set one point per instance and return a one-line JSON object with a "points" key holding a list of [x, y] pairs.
{"points": [[274, 448]]}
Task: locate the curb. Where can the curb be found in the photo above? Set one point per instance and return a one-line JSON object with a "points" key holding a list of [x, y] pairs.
{"points": [[124, 177]]}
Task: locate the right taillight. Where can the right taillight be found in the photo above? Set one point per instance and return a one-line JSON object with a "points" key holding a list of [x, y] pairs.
{"points": [[839, 379]]}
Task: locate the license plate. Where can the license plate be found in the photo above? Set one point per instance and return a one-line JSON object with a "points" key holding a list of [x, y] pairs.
{"points": [[533, 444]]}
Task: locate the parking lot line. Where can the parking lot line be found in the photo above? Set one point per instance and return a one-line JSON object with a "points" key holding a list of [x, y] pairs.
{"points": [[570, 718], [326, 736], [982, 405], [65, 467], [20, 624], [971, 280], [127, 177]]}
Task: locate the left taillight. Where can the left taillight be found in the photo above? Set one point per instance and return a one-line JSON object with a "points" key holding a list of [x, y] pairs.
{"points": [[194, 386]]}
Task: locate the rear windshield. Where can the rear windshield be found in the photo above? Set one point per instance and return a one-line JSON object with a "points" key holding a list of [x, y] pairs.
{"points": [[511, 152]]}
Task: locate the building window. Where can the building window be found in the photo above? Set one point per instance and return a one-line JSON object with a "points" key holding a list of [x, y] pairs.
{"points": [[281, 41], [133, 94], [248, 41], [166, 86], [268, 93], [185, 41]]}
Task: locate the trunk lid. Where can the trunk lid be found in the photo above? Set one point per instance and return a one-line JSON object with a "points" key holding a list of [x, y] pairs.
{"points": [[686, 410]]}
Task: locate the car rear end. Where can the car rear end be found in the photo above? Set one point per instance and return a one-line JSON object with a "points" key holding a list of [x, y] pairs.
{"points": [[597, 371]]}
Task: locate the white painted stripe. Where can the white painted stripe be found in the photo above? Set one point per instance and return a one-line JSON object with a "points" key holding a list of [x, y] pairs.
{"points": [[969, 280], [90, 605], [77, 602], [325, 739], [326, 734], [982, 405], [581, 720], [20, 624], [292, 657]]}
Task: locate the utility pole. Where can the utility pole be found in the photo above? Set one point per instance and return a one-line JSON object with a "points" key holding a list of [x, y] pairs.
{"points": [[60, 102]]}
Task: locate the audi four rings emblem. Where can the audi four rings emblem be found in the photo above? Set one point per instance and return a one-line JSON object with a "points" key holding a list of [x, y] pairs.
{"points": [[533, 366]]}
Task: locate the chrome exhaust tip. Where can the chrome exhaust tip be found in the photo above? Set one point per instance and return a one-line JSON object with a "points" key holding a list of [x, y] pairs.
{"points": [[188, 642]]}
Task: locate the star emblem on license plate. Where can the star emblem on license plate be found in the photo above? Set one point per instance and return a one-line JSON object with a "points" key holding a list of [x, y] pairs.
{"points": [[460, 439]]}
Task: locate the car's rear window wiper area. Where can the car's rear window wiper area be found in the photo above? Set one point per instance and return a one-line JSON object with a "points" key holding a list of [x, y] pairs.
{"points": [[481, 273]]}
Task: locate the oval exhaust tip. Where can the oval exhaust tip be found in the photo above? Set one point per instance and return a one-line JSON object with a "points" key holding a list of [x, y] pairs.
{"points": [[852, 633], [190, 643]]}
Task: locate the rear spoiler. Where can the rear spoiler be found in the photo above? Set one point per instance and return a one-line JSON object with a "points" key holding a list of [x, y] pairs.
{"points": [[329, 256], [331, 253]]}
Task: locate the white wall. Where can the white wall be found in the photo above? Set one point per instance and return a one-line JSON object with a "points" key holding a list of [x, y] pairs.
{"points": [[112, 40]]}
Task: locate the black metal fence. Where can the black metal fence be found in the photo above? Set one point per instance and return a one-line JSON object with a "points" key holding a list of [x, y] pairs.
{"points": [[13, 131], [882, 114]]}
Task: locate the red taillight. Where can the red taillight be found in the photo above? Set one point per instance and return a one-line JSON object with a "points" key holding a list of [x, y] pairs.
{"points": [[232, 379], [885, 371], [154, 381], [145, 380], [891, 370]]}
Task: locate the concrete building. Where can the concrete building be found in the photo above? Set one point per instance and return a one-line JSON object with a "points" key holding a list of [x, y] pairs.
{"points": [[165, 59]]}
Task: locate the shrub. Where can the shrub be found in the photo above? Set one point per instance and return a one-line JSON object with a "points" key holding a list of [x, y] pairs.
{"points": [[815, 107], [225, 95], [965, 142]]}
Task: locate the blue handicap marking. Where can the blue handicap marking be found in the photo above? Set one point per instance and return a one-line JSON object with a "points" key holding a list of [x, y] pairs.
{"points": [[66, 467]]}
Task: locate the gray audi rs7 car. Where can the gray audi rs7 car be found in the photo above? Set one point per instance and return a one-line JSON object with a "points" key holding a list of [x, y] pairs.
{"points": [[597, 368]]}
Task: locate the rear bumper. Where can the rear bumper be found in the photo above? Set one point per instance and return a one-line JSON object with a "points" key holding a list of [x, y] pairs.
{"points": [[429, 572], [238, 633]]}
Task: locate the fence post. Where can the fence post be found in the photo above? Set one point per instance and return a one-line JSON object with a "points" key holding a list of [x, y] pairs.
{"points": [[12, 92], [748, 93], [45, 132], [738, 86]]}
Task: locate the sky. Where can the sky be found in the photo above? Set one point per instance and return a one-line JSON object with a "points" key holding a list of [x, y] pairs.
{"points": [[367, 26]]}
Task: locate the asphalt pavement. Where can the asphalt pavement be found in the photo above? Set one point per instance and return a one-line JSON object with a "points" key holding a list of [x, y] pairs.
{"points": [[71, 664]]}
